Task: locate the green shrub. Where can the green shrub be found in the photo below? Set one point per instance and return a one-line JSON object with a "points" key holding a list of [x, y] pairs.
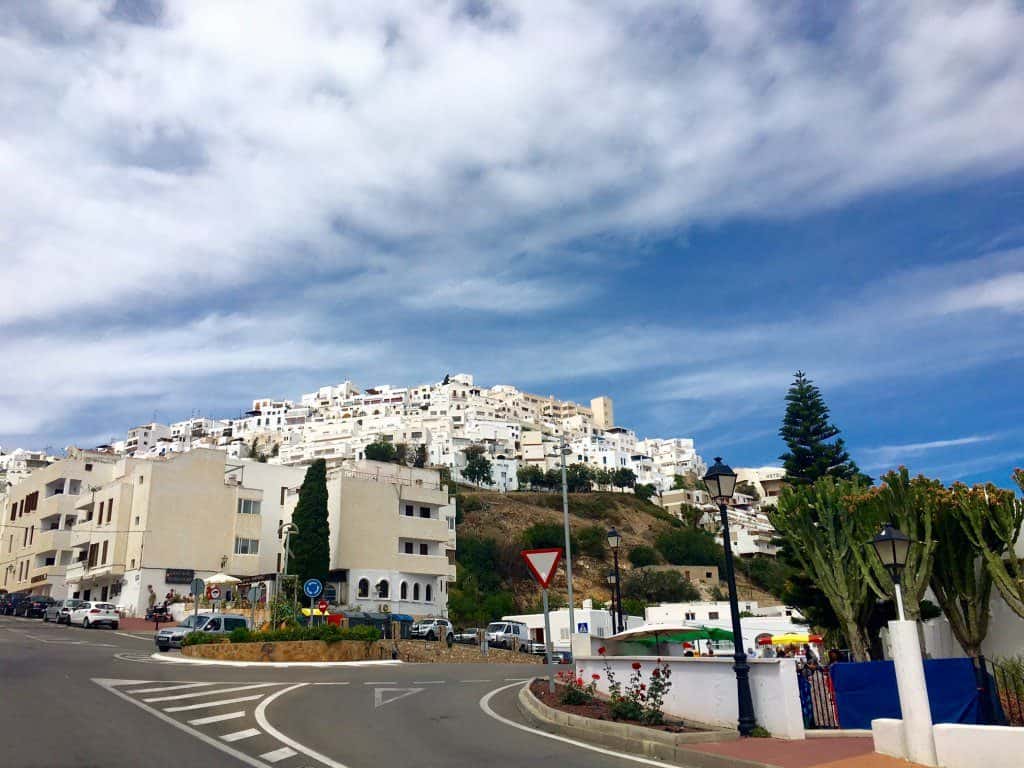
{"points": [[642, 555], [593, 542], [329, 633], [687, 546], [201, 638], [659, 586], [545, 535], [239, 635], [469, 503]]}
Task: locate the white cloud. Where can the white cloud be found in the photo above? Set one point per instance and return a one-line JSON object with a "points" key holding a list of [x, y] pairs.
{"points": [[162, 161], [887, 456]]}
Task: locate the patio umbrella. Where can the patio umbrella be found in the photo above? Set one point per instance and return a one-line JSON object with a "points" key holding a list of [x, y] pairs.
{"points": [[222, 578], [654, 634], [795, 638]]}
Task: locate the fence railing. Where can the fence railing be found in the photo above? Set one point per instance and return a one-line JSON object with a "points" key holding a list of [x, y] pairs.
{"points": [[817, 697], [1001, 691]]}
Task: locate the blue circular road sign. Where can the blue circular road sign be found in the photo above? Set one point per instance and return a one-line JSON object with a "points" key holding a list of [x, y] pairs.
{"points": [[312, 587]]}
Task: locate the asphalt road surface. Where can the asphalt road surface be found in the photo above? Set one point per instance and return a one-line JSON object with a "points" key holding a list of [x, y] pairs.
{"points": [[72, 698]]}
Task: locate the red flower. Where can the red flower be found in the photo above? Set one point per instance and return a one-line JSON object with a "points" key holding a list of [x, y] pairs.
{"points": [[636, 665], [655, 672], [601, 650], [596, 677], [643, 687], [579, 681]]}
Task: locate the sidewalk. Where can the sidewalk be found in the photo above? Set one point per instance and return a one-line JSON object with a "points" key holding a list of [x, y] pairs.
{"points": [[849, 752], [128, 624]]}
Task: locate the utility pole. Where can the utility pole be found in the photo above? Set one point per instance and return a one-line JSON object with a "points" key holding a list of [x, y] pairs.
{"points": [[568, 547]]}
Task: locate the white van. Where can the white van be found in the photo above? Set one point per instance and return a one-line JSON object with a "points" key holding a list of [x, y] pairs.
{"points": [[503, 634]]}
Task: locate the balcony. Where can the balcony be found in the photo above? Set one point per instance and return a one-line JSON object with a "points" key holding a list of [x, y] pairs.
{"points": [[80, 571], [52, 540], [431, 565], [429, 529]]}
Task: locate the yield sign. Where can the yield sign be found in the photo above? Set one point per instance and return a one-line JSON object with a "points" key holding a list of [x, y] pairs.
{"points": [[542, 563]]}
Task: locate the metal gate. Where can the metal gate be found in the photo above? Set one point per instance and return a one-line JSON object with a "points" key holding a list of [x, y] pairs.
{"points": [[817, 697]]}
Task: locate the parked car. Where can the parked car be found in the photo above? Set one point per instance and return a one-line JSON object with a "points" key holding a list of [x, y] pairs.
{"points": [[431, 629], [503, 634], [34, 606], [539, 648], [92, 613], [9, 603], [60, 610], [467, 636], [217, 624]]}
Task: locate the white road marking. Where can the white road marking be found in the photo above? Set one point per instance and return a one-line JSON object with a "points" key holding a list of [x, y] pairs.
{"points": [[344, 683], [217, 718], [110, 685], [279, 754], [485, 705], [207, 704], [217, 692], [170, 688], [401, 693], [248, 733], [428, 682], [134, 637], [272, 664], [261, 717], [474, 681], [516, 679], [381, 682]]}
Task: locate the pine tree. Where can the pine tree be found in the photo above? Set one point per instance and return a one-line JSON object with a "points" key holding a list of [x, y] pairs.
{"points": [[311, 546], [806, 430]]}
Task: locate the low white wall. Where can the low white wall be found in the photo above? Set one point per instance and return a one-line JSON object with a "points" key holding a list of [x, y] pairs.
{"points": [[887, 734], [969, 746], [704, 689]]}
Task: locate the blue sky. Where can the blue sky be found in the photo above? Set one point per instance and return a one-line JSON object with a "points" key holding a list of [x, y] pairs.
{"points": [[676, 204]]}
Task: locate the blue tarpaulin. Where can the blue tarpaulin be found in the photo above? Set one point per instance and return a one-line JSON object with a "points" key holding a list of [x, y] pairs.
{"points": [[867, 690]]}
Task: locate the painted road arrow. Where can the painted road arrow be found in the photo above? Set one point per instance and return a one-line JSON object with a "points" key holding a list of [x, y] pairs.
{"points": [[380, 699]]}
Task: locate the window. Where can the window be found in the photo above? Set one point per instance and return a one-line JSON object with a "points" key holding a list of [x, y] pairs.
{"points": [[383, 589], [213, 625], [408, 510], [88, 467], [248, 507], [424, 511], [142, 479], [364, 588], [103, 557], [278, 562], [428, 593], [403, 591], [133, 563], [99, 519], [415, 591], [713, 615], [707, 574], [424, 549], [689, 616], [230, 623], [31, 502], [94, 550], [110, 510], [247, 546], [137, 518], [408, 547]]}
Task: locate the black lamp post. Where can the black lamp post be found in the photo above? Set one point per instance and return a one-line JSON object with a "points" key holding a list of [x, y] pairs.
{"points": [[893, 546], [721, 482], [614, 541], [613, 579]]}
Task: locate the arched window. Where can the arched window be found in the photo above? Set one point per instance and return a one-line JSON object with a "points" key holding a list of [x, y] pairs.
{"points": [[383, 588], [429, 593], [415, 591], [364, 588], [403, 591]]}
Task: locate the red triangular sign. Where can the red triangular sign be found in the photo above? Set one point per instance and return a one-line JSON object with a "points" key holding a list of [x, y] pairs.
{"points": [[542, 563]]}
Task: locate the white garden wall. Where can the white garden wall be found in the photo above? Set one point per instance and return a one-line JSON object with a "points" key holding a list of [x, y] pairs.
{"points": [[704, 689]]}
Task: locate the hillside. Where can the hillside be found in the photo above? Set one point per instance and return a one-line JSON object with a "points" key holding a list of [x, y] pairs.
{"points": [[509, 520]]}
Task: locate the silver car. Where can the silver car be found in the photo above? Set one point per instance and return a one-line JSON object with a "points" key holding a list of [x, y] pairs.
{"points": [[217, 624], [60, 611]]}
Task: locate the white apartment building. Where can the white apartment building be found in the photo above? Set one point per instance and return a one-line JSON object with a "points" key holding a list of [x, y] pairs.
{"points": [[38, 517], [589, 621], [768, 482], [19, 464], [145, 436], [392, 539]]}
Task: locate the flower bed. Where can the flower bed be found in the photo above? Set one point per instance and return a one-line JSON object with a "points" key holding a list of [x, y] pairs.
{"points": [[597, 708]]}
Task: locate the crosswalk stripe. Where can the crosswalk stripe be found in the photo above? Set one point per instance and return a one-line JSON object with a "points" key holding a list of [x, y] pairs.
{"points": [[198, 694], [217, 718], [206, 704], [278, 754], [170, 688], [248, 733]]}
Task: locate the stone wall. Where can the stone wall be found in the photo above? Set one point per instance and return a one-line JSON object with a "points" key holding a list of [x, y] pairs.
{"points": [[356, 650]]}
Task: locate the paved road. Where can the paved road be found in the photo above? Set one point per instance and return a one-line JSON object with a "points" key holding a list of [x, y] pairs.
{"points": [[74, 697]]}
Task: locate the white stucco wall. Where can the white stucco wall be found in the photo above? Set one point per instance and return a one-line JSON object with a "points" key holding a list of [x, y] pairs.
{"points": [[969, 746], [704, 689]]}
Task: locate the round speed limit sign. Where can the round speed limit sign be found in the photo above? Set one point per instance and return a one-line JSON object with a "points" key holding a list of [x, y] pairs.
{"points": [[215, 593]]}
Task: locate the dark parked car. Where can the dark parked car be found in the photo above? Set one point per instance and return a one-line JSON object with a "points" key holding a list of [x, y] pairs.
{"points": [[9, 603], [34, 607]]}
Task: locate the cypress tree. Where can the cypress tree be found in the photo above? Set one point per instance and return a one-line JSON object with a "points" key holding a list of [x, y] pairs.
{"points": [[311, 546], [806, 430]]}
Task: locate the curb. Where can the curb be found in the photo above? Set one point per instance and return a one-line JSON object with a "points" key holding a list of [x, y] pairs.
{"points": [[670, 747], [274, 664], [837, 733]]}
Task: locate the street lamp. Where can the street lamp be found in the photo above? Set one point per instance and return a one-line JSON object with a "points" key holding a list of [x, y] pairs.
{"points": [[615, 541], [892, 546], [720, 481], [613, 579], [562, 451]]}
